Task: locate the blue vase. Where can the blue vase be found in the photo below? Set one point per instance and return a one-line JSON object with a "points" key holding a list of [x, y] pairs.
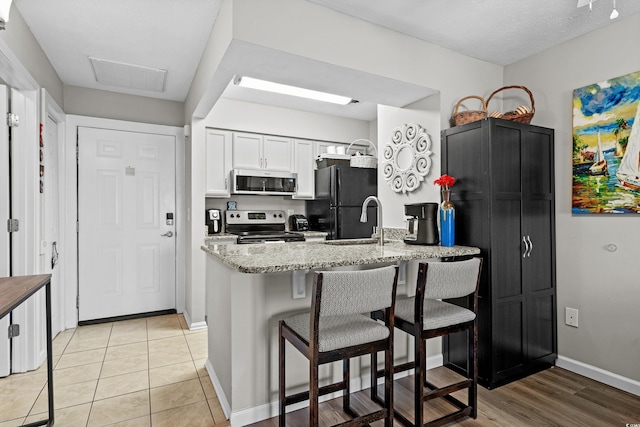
{"points": [[447, 220]]}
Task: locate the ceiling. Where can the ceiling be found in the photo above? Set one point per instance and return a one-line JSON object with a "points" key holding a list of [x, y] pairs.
{"points": [[171, 35]]}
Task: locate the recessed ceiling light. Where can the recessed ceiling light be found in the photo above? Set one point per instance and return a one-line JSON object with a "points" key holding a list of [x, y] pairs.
{"points": [[249, 82]]}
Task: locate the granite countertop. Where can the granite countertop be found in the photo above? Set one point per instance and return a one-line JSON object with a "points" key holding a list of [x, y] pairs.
{"points": [[278, 257]]}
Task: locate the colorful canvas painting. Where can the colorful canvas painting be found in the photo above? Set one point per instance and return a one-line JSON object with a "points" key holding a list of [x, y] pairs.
{"points": [[606, 147]]}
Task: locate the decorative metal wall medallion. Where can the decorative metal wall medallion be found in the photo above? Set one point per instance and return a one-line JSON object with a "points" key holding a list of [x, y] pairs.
{"points": [[406, 158]]}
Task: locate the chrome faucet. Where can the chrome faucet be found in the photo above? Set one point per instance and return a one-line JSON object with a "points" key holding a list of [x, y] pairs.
{"points": [[363, 217]]}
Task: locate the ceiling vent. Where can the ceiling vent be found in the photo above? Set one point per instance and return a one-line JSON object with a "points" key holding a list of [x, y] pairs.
{"points": [[112, 73]]}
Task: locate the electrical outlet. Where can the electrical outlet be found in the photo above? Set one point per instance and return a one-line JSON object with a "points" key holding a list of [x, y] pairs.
{"points": [[571, 316], [299, 284]]}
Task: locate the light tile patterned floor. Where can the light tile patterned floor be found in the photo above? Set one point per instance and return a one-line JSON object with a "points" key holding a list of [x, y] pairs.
{"points": [[142, 372]]}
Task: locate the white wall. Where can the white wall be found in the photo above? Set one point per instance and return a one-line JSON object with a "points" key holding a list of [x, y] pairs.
{"points": [[390, 118], [602, 285]]}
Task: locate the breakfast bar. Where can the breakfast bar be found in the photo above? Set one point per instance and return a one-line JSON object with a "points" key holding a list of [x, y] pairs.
{"points": [[251, 287]]}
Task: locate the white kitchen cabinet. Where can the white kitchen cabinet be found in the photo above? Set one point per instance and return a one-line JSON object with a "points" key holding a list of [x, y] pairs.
{"points": [[217, 163], [304, 163], [254, 151]]}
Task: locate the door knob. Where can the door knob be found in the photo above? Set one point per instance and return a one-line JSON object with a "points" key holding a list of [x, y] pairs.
{"points": [[168, 234]]}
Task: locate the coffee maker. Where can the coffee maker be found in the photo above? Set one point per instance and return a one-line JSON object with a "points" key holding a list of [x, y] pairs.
{"points": [[422, 227], [213, 220]]}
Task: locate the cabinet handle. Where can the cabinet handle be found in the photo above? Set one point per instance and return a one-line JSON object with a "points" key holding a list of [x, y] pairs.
{"points": [[530, 246], [265, 163], [226, 183], [526, 247]]}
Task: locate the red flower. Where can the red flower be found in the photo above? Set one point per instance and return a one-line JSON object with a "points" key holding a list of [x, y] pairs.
{"points": [[445, 181]]}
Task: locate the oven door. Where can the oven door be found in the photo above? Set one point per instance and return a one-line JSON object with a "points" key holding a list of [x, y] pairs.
{"points": [[263, 182]]}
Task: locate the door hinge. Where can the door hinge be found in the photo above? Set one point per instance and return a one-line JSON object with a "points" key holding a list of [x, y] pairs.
{"points": [[78, 301], [14, 331], [13, 225], [13, 120], [77, 226]]}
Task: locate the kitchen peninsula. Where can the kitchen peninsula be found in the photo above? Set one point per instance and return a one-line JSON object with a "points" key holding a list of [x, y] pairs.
{"points": [[251, 287]]}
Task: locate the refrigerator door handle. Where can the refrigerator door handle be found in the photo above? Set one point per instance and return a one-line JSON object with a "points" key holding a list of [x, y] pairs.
{"points": [[338, 186]]}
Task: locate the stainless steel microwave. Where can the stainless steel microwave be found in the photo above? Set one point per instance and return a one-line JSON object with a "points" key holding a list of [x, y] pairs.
{"points": [[257, 181]]}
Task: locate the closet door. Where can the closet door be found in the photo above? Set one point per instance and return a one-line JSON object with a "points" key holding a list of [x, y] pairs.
{"points": [[539, 227], [507, 249], [4, 233]]}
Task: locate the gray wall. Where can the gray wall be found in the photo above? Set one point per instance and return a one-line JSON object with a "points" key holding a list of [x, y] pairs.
{"points": [[21, 42], [120, 106], [602, 285]]}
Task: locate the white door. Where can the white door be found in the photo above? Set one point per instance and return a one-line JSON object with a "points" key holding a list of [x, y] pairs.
{"points": [[50, 209], [4, 234], [126, 200]]}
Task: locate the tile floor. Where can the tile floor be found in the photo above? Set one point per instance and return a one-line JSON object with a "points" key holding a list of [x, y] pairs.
{"points": [[142, 372]]}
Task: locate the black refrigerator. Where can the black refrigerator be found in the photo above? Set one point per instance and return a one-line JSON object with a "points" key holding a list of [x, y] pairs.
{"points": [[340, 192]]}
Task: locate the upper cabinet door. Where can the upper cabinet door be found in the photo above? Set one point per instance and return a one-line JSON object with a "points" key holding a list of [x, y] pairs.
{"points": [[277, 153], [247, 151], [218, 163], [303, 166]]}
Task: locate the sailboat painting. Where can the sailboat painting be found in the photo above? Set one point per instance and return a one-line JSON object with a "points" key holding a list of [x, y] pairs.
{"points": [[606, 147]]}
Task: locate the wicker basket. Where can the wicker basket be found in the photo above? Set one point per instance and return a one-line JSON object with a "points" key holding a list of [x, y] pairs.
{"points": [[464, 117], [516, 116], [368, 162]]}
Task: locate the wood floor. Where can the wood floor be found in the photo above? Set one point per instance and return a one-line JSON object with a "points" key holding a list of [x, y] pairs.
{"points": [[555, 397]]}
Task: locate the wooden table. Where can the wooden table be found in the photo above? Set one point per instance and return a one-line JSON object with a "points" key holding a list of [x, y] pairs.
{"points": [[13, 292]]}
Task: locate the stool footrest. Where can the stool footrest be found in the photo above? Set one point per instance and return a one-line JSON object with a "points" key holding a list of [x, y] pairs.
{"points": [[364, 419], [304, 395], [443, 391], [397, 368], [449, 418]]}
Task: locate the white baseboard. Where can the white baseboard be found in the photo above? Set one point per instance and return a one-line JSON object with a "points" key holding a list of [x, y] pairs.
{"points": [[595, 373], [193, 326], [222, 398], [269, 410]]}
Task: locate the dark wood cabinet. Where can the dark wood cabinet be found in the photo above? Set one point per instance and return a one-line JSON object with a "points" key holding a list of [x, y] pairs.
{"points": [[504, 199]]}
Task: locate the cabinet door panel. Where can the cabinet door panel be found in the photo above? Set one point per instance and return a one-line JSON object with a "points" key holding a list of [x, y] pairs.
{"points": [[538, 266], [247, 151], [465, 161], [277, 153], [303, 166], [505, 160], [218, 163], [537, 164], [506, 249], [508, 336], [540, 325]]}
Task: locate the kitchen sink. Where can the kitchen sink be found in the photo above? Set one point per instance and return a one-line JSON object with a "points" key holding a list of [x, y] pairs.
{"points": [[344, 242]]}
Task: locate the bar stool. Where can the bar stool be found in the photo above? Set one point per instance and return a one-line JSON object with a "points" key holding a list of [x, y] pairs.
{"points": [[335, 329], [424, 317]]}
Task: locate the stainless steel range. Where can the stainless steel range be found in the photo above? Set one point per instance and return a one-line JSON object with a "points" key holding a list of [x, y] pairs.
{"points": [[259, 226]]}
